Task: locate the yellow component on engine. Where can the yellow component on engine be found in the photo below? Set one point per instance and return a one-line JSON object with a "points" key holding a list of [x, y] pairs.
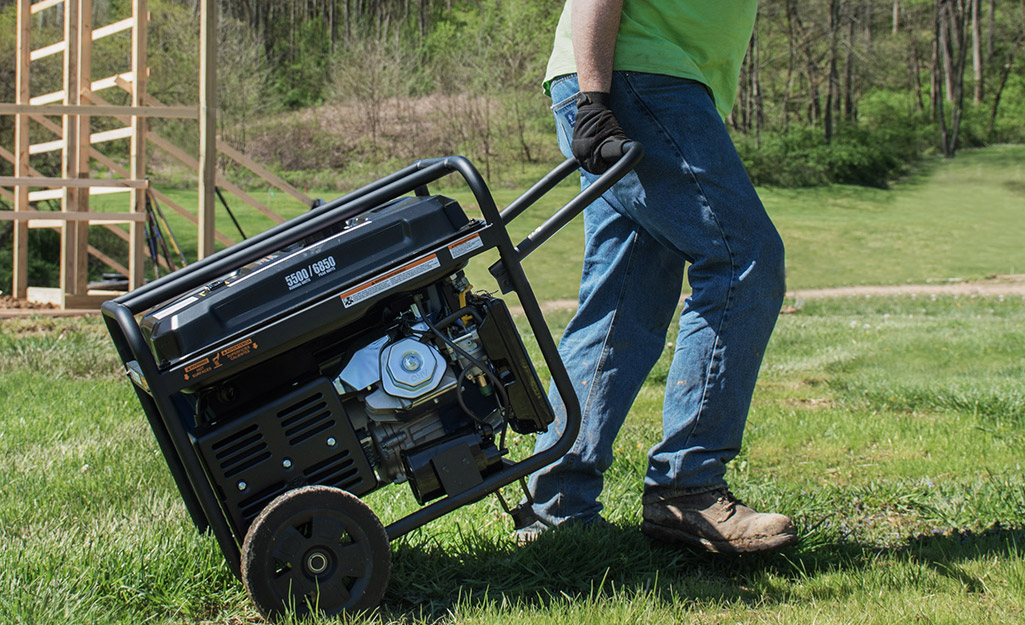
{"points": [[462, 304]]}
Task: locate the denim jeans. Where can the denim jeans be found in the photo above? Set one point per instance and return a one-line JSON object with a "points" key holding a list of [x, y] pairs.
{"points": [[688, 201]]}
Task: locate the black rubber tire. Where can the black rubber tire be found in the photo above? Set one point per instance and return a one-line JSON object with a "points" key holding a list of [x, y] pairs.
{"points": [[316, 548]]}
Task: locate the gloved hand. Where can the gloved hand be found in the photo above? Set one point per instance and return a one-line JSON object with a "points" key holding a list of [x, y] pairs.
{"points": [[595, 128]]}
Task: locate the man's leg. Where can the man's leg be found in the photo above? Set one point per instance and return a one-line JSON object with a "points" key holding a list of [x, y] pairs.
{"points": [[629, 291], [691, 194], [700, 202]]}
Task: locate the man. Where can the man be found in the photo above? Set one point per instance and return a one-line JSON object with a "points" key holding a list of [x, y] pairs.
{"points": [[667, 71]]}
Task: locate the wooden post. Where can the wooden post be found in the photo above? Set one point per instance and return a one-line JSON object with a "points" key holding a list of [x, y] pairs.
{"points": [[21, 140], [207, 124], [136, 231], [84, 71], [69, 270]]}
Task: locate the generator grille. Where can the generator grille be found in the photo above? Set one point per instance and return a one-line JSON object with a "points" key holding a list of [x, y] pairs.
{"points": [[306, 418], [240, 451], [303, 437]]}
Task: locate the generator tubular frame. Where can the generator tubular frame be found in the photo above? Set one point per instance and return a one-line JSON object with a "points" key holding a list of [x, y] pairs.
{"points": [[167, 419]]}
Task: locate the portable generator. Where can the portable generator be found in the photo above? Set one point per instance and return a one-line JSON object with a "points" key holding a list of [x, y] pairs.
{"points": [[344, 350]]}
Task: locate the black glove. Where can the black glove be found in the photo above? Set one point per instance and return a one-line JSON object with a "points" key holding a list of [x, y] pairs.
{"points": [[596, 127]]}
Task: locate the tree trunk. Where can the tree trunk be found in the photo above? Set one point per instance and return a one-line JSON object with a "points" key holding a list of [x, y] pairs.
{"points": [[848, 98], [896, 15], [916, 69], [810, 67], [756, 89], [1004, 75], [936, 78], [951, 17], [946, 51], [832, 95], [989, 30], [977, 52]]}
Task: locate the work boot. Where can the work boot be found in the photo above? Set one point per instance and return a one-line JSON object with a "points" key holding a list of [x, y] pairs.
{"points": [[716, 521]]}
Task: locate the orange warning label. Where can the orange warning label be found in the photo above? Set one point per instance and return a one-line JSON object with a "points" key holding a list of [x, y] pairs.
{"points": [[392, 278], [238, 350], [197, 369], [233, 352]]}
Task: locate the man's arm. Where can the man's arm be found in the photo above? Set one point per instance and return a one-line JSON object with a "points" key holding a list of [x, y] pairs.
{"points": [[595, 25]]}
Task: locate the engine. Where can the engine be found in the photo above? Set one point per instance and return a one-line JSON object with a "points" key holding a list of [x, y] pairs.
{"points": [[422, 389]]}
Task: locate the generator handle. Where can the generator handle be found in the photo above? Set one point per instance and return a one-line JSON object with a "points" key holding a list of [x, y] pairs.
{"points": [[629, 153]]}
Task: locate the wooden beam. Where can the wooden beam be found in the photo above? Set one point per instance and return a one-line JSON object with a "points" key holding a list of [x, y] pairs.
{"points": [[167, 112], [111, 190], [83, 129], [21, 149], [239, 158], [49, 98], [85, 302], [111, 81], [220, 180], [114, 27], [7, 156], [50, 50], [40, 196], [262, 172], [112, 135], [55, 183], [166, 201], [96, 218], [45, 4], [110, 262], [49, 146], [93, 152], [72, 259], [137, 150], [207, 124], [7, 195]]}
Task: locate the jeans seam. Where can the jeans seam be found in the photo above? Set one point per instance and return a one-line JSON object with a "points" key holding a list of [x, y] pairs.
{"points": [[605, 341], [717, 346]]}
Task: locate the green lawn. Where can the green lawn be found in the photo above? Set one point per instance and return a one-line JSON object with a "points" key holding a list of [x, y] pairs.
{"points": [[890, 429]]}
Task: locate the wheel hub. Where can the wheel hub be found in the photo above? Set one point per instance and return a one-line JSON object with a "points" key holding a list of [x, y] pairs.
{"points": [[317, 562]]}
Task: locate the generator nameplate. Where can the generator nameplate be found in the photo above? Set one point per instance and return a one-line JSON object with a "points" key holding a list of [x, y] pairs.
{"points": [[391, 279]]}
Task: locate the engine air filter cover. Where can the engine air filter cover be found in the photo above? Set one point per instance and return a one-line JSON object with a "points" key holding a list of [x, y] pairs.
{"points": [[410, 368]]}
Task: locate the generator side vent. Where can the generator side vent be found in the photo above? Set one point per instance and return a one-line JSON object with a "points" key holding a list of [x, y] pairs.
{"points": [[241, 450], [339, 470], [251, 507], [306, 418]]}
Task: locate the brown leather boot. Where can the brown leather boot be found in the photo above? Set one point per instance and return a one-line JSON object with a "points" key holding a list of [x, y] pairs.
{"points": [[716, 521]]}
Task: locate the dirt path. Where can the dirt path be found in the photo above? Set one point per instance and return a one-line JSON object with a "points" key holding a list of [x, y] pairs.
{"points": [[1007, 285]]}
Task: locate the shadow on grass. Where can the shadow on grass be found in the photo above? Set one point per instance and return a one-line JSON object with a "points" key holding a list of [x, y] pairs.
{"points": [[429, 578]]}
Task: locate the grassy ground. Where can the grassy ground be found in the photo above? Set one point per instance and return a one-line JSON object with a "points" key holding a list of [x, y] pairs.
{"points": [[890, 429]]}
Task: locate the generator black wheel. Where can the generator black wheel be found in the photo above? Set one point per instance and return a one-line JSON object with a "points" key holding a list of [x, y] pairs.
{"points": [[316, 549]]}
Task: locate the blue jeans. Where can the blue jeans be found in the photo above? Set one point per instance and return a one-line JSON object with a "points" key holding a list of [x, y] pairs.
{"points": [[688, 201]]}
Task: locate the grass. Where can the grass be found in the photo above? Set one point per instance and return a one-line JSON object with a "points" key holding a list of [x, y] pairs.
{"points": [[889, 428], [905, 481]]}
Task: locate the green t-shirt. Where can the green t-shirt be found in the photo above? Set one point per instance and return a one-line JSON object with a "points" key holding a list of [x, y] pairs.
{"points": [[702, 40]]}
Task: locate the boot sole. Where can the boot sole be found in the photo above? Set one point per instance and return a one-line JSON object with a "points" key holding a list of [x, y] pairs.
{"points": [[673, 535]]}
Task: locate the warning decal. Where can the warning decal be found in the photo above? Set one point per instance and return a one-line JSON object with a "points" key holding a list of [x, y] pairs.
{"points": [[208, 364], [238, 350], [391, 279], [465, 246]]}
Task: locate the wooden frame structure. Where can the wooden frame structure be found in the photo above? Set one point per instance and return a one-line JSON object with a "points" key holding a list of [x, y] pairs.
{"points": [[75, 104]]}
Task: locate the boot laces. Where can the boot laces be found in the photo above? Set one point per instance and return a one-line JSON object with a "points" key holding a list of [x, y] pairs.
{"points": [[729, 501]]}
